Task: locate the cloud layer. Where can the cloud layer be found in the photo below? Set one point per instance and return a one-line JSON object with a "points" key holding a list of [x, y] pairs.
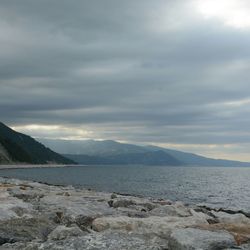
{"points": [[160, 72]]}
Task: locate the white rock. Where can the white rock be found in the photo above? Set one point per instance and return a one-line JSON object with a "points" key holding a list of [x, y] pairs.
{"points": [[8, 203], [153, 225], [77, 205], [231, 218], [196, 239]]}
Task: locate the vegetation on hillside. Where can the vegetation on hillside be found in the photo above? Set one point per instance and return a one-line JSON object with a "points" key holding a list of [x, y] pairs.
{"points": [[23, 148]]}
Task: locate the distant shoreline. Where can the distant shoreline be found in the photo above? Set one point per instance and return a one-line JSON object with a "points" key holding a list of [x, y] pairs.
{"points": [[21, 166], [34, 166]]}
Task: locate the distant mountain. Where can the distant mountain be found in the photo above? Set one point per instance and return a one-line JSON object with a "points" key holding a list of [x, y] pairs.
{"points": [[112, 152], [92, 147], [145, 158], [197, 160], [19, 148]]}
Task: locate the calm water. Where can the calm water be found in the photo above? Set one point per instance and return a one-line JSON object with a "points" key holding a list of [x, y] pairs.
{"points": [[217, 186]]}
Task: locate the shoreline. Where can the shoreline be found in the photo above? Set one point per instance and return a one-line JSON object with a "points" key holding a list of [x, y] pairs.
{"points": [[63, 217], [25, 166]]}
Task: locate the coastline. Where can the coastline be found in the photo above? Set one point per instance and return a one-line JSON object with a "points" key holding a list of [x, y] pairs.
{"points": [[24, 166], [63, 217]]}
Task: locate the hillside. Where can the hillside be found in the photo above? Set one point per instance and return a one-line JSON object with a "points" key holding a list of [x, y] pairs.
{"points": [[92, 147], [19, 148], [112, 152], [197, 160], [145, 158]]}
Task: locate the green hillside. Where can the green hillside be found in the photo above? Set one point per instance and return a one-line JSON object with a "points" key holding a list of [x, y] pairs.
{"points": [[24, 149]]}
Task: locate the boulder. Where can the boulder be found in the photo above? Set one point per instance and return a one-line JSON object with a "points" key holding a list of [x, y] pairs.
{"points": [[153, 225], [122, 203], [4, 240], [113, 196], [171, 210], [62, 232], [231, 218], [196, 239], [76, 204], [84, 222], [26, 229], [10, 206]]}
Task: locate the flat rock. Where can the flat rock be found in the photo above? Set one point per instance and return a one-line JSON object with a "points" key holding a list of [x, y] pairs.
{"points": [[154, 225], [101, 241], [171, 210], [76, 204], [26, 229], [196, 239], [231, 218]]}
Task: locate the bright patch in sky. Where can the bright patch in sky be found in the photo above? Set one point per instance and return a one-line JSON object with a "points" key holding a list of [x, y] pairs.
{"points": [[234, 13], [37, 127], [238, 103], [54, 132]]}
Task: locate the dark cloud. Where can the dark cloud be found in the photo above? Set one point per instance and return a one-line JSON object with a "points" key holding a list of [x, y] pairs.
{"points": [[138, 71]]}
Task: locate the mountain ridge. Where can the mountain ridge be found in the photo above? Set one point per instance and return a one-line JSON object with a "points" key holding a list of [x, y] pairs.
{"points": [[148, 158], [98, 152]]}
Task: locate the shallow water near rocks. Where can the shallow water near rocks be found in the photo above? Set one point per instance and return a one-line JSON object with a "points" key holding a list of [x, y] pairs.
{"points": [[214, 186]]}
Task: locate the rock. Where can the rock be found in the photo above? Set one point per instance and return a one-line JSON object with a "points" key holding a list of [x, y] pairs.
{"points": [[68, 220], [163, 202], [213, 221], [26, 229], [134, 211], [26, 194], [205, 211], [63, 232], [17, 246], [76, 204], [113, 196], [110, 202], [94, 241], [231, 218], [123, 203], [63, 193], [35, 216], [84, 222], [245, 246], [141, 214], [61, 217], [135, 203], [155, 225], [20, 211], [58, 217], [196, 239], [4, 240], [240, 231], [149, 206], [200, 215], [171, 210], [10, 206]]}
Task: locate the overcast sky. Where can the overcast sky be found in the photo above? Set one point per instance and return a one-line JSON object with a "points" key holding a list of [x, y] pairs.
{"points": [[173, 73]]}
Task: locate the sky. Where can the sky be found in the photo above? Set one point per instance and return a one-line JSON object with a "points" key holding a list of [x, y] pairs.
{"points": [[173, 73]]}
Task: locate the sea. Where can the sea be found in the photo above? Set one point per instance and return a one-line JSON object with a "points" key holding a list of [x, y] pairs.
{"points": [[219, 187]]}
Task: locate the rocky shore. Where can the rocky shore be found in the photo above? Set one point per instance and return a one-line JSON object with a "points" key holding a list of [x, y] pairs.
{"points": [[39, 216]]}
